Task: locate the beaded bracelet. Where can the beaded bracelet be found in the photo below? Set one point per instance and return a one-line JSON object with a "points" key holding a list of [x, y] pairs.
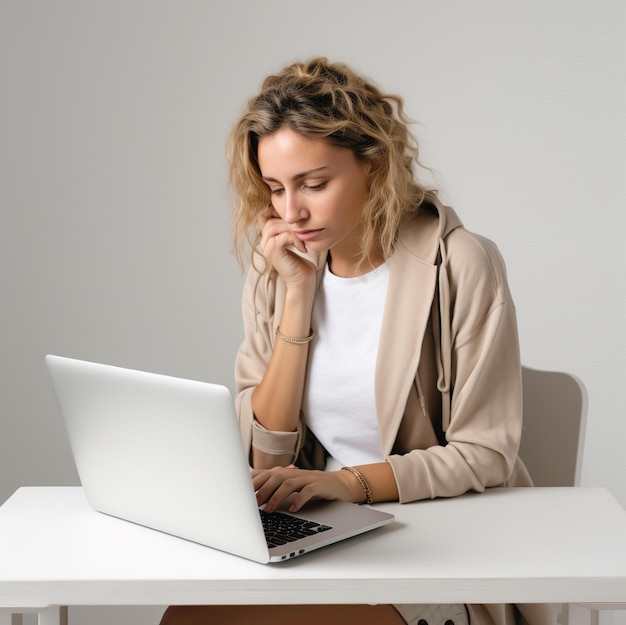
{"points": [[295, 340], [363, 483]]}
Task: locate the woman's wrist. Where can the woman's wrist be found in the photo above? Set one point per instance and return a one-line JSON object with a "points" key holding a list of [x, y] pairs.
{"points": [[295, 340], [380, 482], [359, 488], [296, 318]]}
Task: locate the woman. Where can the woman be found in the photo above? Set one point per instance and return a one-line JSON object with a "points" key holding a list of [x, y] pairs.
{"points": [[380, 359]]}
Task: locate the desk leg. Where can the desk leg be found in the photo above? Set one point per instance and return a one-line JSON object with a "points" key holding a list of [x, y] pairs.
{"points": [[577, 614], [46, 616], [52, 616]]}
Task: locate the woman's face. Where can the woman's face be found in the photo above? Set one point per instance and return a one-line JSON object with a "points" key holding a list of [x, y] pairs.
{"points": [[318, 189]]}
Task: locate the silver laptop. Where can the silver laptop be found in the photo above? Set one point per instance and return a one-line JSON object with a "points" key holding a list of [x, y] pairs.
{"points": [[167, 453]]}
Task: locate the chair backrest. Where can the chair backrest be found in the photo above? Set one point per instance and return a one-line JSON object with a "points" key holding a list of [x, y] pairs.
{"points": [[555, 410]]}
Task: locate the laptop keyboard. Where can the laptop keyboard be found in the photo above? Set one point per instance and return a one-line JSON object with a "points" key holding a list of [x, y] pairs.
{"points": [[281, 529]]}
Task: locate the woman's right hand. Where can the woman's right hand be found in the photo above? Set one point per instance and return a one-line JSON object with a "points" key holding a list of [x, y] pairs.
{"points": [[280, 246]]}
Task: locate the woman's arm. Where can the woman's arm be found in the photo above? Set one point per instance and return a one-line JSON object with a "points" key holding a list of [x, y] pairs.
{"points": [[271, 371], [277, 399], [484, 380]]}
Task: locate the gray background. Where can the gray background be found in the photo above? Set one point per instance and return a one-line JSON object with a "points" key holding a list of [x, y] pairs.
{"points": [[115, 231]]}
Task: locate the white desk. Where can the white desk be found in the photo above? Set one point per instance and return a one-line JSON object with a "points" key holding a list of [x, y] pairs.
{"points": [[504, 546]]}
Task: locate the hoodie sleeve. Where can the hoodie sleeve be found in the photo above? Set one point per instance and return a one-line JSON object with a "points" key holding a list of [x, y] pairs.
{"points": [[479, 377]]}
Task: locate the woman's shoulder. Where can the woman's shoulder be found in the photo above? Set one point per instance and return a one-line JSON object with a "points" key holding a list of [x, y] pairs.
{"points": [[468, 253], [465, 242], [470, 260], [436, 231]]}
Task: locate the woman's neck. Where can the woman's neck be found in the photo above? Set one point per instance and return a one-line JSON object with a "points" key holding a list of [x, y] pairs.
{"points": [[350, 267]]}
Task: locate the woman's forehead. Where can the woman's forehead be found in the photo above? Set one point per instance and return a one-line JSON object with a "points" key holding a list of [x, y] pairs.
{"points": [[291, 154]]}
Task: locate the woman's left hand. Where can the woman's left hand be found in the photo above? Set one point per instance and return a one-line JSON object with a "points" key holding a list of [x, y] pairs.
{"points": [[274, 485]]}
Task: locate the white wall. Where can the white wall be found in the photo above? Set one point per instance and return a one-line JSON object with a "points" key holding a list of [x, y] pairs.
{"points": [[114, 243]]}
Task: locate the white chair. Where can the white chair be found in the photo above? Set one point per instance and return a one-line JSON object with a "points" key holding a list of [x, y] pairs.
{"points": [[555, 410]]}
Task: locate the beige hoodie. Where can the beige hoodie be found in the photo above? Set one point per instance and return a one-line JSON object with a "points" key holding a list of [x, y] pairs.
{"points": [[448, 374]]}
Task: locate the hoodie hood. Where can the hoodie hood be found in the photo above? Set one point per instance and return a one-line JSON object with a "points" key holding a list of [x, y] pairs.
{"points": [[426, 239]]}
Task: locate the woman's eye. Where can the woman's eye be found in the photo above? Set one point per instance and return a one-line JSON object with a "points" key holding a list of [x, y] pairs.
{"points": [[317, 187], [277, 191]]}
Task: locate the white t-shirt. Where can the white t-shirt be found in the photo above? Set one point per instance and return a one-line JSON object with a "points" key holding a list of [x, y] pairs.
{"points": [[339, 403]]}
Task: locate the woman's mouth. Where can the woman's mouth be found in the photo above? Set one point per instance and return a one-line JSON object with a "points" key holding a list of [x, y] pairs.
{"points": [[308, 235]]}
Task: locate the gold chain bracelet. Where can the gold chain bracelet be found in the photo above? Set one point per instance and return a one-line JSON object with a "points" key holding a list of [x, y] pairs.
{"points": [[295, 340], [364, 485]]}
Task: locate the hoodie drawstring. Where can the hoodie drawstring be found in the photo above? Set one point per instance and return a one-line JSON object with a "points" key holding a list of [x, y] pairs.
{"points": [[443, 339]]}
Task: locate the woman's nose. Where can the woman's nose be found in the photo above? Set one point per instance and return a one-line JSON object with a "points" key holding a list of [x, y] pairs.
{"points": [[294, 210]]}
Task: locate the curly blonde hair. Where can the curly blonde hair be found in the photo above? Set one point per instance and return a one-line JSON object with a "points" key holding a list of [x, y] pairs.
{"points": [[329, 101]]}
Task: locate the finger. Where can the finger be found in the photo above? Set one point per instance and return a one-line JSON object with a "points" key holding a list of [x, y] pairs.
{"points": [[288, 488], [322, 485], [304, 486], [273, 228], [266, 481], [283, 243], [278, 486], [267, 484], [266, 214], [261, 476], [302, 497], [254, 472]]}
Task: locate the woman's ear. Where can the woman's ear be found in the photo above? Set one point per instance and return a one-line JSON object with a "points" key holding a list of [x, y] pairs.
{"points": [[370, 169]]}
